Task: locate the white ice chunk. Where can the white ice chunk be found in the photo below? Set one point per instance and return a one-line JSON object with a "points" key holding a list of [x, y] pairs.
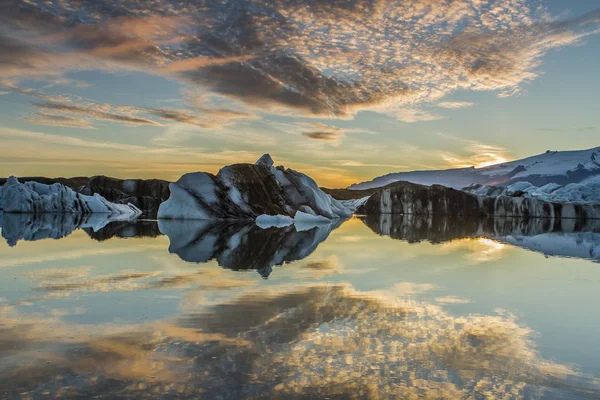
{"points": [[304, 217], [181, 205], [353, 204], [279, 221]]}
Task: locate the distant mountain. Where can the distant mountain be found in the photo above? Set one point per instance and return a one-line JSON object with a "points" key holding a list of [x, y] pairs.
{"points": [[560, 167]]}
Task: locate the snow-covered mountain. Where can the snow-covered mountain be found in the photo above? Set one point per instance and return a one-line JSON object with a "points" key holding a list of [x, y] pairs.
{"points": [[248, 191], [559, 167]]}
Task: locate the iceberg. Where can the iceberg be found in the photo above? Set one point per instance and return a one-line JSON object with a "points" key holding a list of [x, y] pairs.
{"points": [[248, 191], [34, 197], [586, 191]]}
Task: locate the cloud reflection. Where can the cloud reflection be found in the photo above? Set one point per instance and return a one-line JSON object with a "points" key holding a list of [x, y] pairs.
{"points": [[292, 342]]}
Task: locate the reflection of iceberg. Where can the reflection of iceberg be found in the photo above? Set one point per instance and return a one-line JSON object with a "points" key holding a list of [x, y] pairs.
{"points": [[554, 237], [242, 246], [31, 227], [124, 229]]}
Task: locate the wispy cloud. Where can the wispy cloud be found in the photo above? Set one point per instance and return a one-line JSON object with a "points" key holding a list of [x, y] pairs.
{"points": [[474, 153], [10, 133], [65, 121], [414, 115], [455, 104], [98, 113]]}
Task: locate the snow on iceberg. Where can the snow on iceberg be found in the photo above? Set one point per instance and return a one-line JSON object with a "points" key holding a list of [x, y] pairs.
{"points": [[587, 191], [265, 221], [246, 191], [309, 218], [353, 204], [34, 197]]}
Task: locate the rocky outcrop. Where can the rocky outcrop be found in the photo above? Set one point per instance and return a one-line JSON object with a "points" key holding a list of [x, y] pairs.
{"points": [[246, 191], [410, 198]]}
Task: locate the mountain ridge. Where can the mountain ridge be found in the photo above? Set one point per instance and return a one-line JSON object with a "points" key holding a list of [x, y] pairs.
{"points": [[560, 167]]}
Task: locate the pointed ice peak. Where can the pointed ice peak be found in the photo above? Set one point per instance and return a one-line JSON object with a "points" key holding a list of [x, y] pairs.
{"points": [[265, 160]]}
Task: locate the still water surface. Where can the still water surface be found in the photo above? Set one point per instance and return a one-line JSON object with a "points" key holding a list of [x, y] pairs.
{"points": [[380, 308]]}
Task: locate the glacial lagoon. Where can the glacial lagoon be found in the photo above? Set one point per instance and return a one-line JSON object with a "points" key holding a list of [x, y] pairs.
{"points": [[378, 307]]}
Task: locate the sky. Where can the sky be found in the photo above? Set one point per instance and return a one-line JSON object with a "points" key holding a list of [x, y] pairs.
{"points": [[341, 90]]}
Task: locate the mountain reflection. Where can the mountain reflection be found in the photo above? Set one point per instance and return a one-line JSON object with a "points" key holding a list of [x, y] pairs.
{"points": [[239, 246], [554, 237], [310, 341]]}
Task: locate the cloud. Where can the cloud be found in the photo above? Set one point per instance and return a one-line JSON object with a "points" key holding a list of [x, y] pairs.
{"points": [[76, 112], [414, 115], [203, 117], [42, 118], [455, 104], [474, 153], [96, 113], [321, 135], [10, 133], [451, 300], [328, 59], [586, 128]]}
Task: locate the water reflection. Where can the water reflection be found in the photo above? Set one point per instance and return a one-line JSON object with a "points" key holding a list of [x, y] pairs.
{"points": [[353, 315], [243, 246], [553, 237], [32, 227], [303, 342]]}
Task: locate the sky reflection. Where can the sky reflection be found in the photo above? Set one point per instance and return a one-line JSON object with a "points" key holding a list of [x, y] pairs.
{"points": [[403, 318]]}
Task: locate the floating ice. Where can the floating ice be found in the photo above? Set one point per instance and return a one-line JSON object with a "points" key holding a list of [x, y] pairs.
{"points": [[34, 197], [247, 191]]}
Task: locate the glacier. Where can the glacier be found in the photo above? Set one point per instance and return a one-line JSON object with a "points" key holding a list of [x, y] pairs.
{"points": [[248, 191], [35, 197], [587, 191]]}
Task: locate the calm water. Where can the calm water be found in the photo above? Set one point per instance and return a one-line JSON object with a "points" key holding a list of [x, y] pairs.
{"points": [[380, 308]]}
